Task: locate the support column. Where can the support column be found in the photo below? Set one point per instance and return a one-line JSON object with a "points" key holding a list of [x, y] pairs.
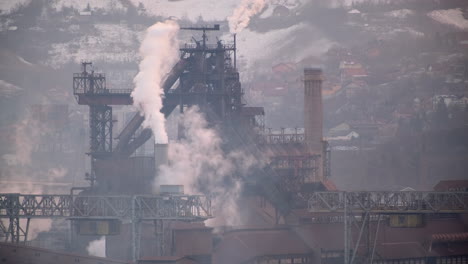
{"points": [[160, 239], [100, 122], [346, 226], [135, 231]]}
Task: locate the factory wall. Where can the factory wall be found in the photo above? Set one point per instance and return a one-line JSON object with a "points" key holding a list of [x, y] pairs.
{"points": [[125, 176], [19, 254]]}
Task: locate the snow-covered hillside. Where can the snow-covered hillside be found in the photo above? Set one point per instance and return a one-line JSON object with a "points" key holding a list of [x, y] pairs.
{"points": [[6, 6], [110, 43], [277, 46], [191, 9], [93, 4], [453, 17]]}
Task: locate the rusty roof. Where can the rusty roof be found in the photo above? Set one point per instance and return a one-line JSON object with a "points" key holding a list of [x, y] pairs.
{"points": [[451, 185], [450, 237]]}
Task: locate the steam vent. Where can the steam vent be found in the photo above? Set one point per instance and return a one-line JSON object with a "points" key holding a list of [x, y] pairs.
{"points": [[131, 135]]}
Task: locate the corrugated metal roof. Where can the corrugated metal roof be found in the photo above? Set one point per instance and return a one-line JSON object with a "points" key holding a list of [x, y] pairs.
{"points": [[452, 185], [450, 237]]}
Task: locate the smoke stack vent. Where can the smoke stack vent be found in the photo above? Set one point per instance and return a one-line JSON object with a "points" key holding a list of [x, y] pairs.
{"points": [[313, 112]]}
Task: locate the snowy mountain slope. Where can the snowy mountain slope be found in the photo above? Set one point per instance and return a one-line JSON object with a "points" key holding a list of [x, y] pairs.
{"points": [[275, 46], [110, 43], [453, 17], [210, 10], [6, 6], [93, 4]]}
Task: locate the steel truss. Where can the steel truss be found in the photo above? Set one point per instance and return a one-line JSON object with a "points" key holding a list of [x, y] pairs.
{"points": [[100, 122], [76, 207], [390, 202], [360, 208]]}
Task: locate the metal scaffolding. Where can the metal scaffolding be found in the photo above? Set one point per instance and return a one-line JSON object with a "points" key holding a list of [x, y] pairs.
{"points": [[360, 208], [136, 209], [100, 120], [403, 202]]}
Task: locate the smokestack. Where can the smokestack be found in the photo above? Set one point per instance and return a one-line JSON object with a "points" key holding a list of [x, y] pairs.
{"points": [[313, 117], [313, 112]]}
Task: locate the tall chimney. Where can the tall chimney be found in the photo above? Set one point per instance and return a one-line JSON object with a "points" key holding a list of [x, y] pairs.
{"points": [[313, 112], [313, 117]]}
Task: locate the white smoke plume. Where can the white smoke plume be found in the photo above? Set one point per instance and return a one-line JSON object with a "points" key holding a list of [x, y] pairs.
{"points": [[20, 175], [97, 247], [241, 16], [159, 51], [199, 163], [37, 226]]}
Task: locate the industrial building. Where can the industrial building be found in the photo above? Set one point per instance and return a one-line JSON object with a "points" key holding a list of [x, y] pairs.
{"points": [[293, 211]]}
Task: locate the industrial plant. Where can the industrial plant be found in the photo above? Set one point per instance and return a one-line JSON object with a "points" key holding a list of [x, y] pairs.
{"points": [[203, 178]]}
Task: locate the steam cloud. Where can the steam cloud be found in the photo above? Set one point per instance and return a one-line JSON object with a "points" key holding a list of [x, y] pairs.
{"points": [[241, 16], [159, 52], [97, 248], [199, 163], [21, 176]]}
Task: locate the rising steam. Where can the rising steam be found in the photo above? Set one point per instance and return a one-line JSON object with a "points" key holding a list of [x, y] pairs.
{"points": [[199, 163], [241, 16], [159, 52], [97, 248]]}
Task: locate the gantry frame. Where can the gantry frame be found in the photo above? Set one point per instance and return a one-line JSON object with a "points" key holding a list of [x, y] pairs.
{"points": [[137, 208], [370, 203]]}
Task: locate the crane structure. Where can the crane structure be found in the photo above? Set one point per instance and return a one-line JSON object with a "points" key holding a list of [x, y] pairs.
{"points": [[136, 209], [360, 208]]}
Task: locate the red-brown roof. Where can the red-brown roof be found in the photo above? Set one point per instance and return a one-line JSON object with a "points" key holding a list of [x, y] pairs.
{"points": [[452, 185], [330, 185], [354, 72], [284, 67], [450, 237]]}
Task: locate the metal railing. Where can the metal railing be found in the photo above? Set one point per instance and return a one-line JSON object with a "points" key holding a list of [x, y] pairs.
{"points": [[141, 207], [389, 202]]}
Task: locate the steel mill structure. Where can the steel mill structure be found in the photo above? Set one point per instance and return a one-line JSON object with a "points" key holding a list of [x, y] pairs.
{"points": [[291, 210]]}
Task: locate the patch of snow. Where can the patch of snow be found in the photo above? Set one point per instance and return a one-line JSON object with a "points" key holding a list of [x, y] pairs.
{"points": [[407, 30], [210, 10], [108, 5], [111, 43], [268, 12], [255, 48], [401, 13], [7, 6], [24, 61], [9, 90], [37, 29], [354, 11], [453, 17], [345, 148]]}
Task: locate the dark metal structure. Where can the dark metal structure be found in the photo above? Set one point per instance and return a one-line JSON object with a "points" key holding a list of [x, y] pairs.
{"points": [[205, 76], [360, 208], [80, 207], [90, 89]]}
